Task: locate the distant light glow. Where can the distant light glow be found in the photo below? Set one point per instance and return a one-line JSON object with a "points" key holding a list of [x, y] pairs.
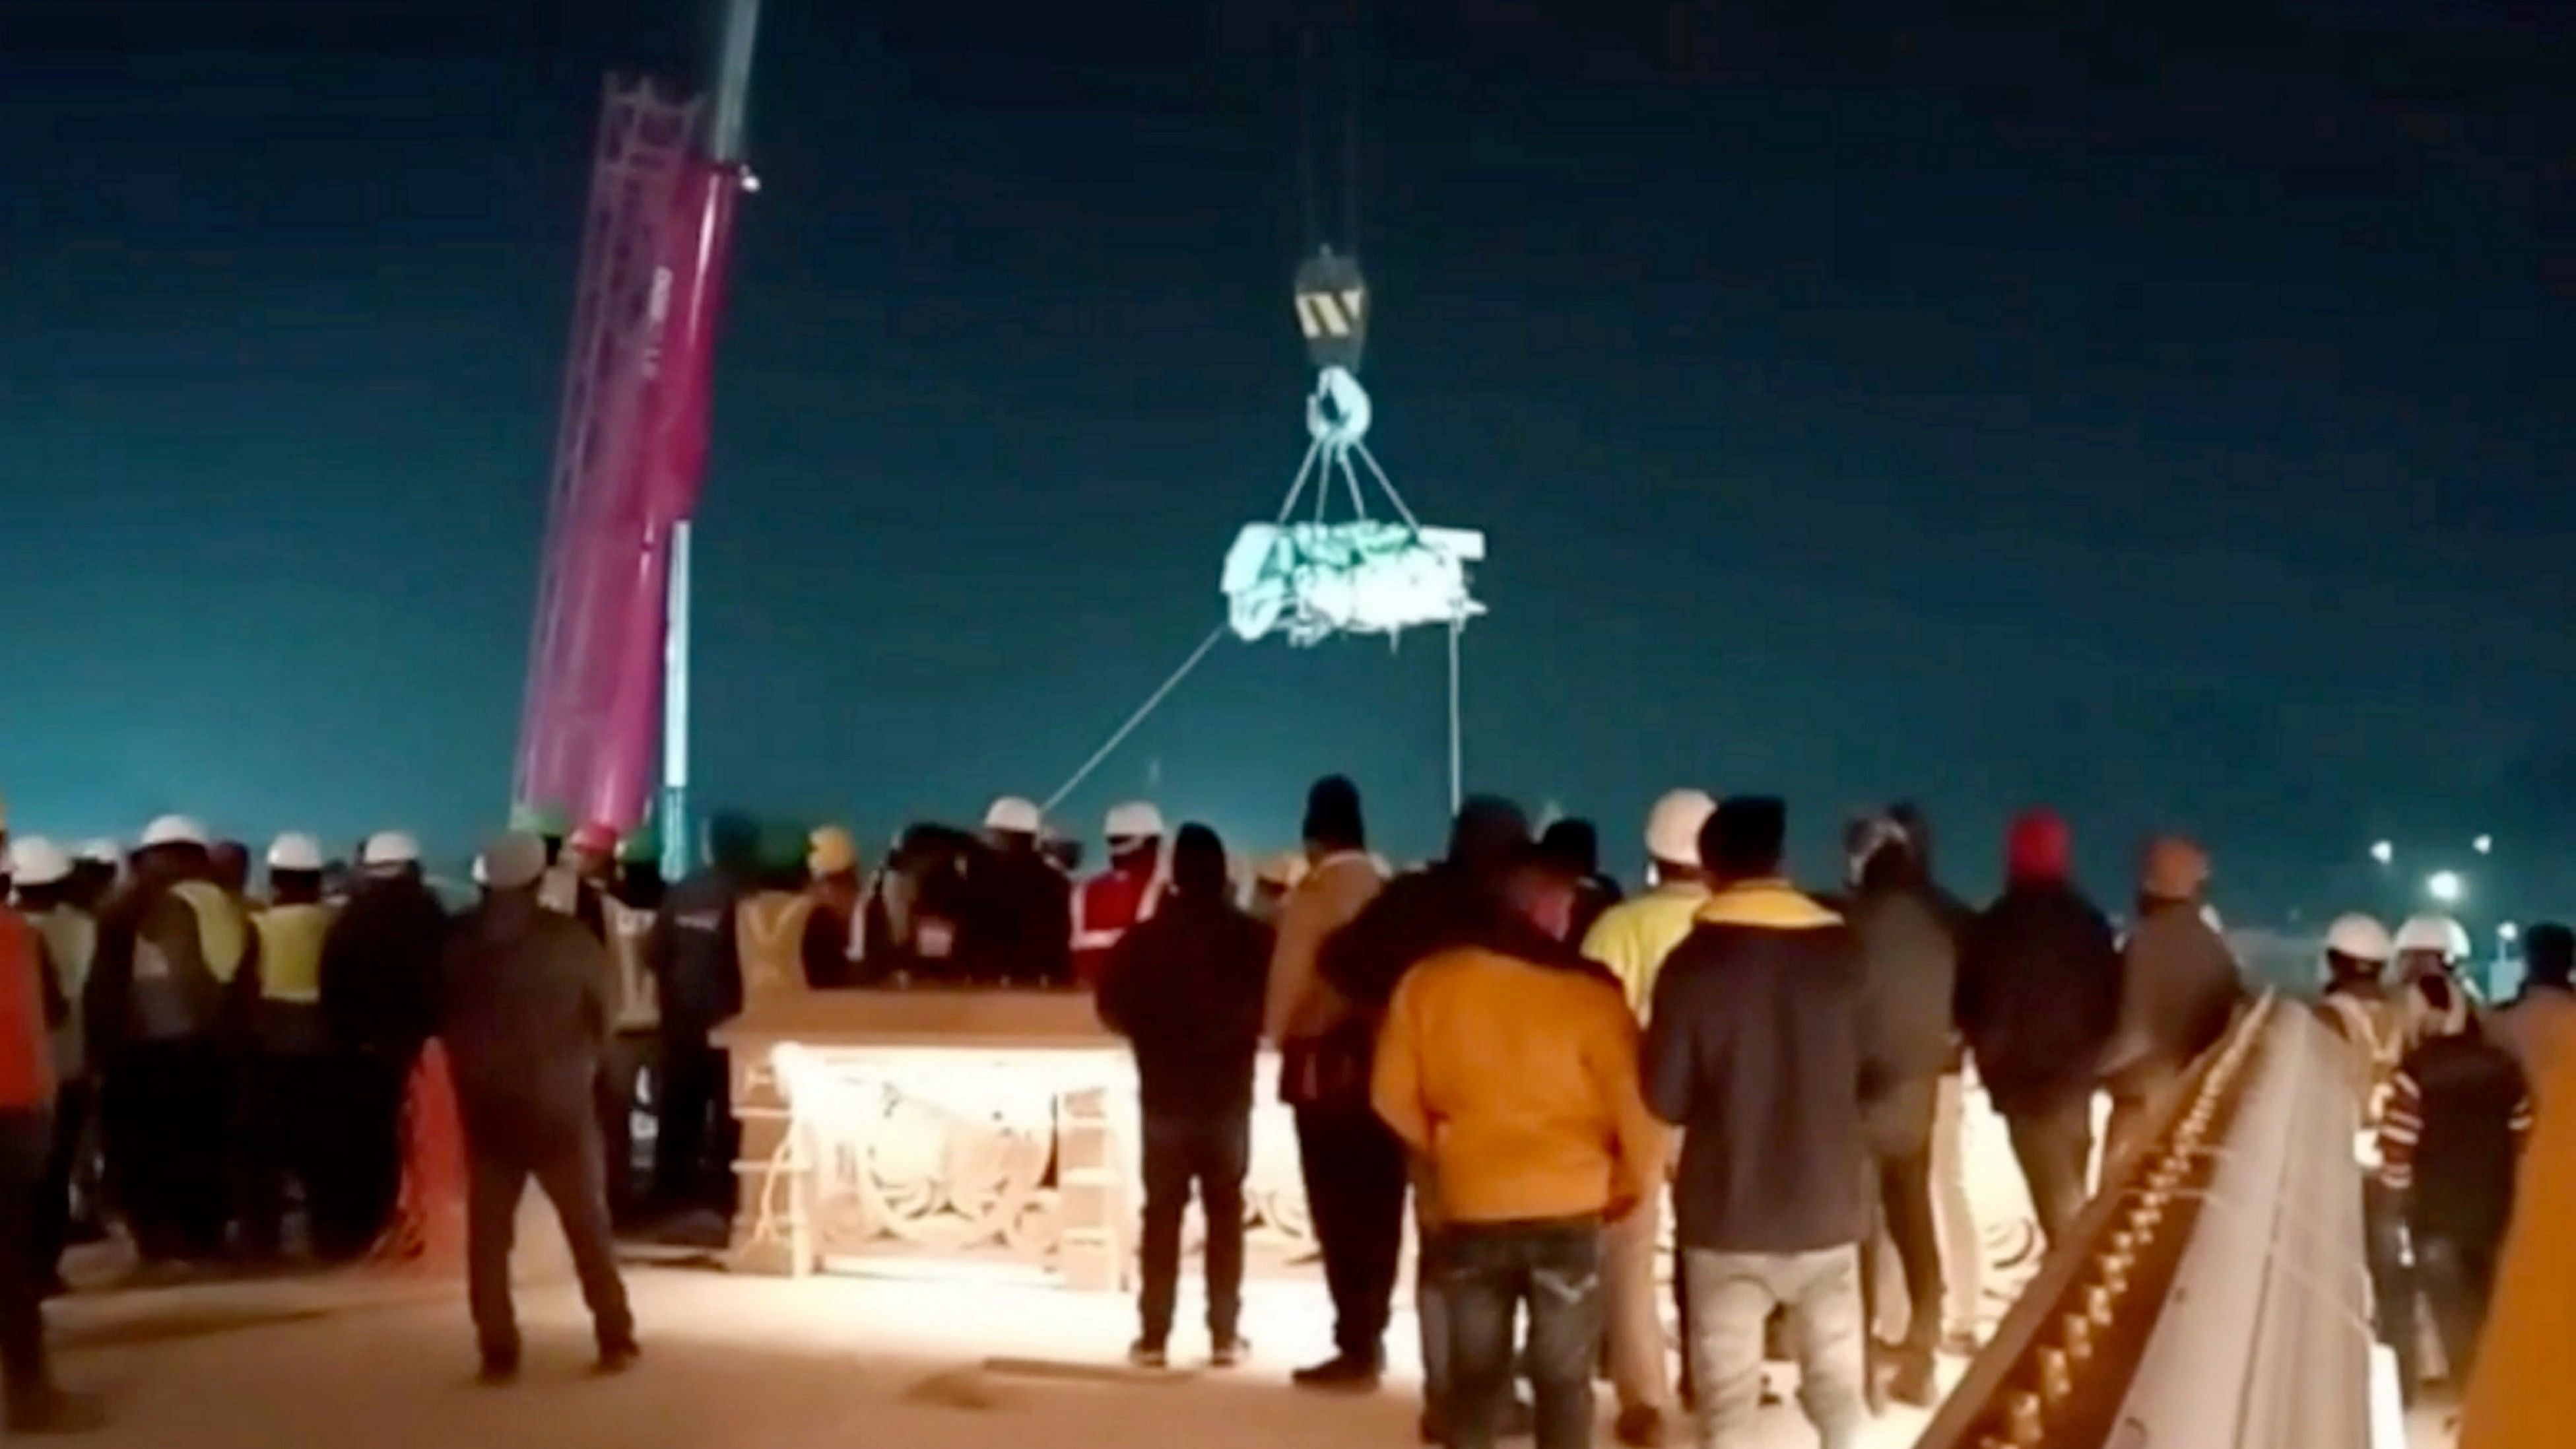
{"points": [[2509, 933], [2445, 886], [2384, 851], [2484, 845]]}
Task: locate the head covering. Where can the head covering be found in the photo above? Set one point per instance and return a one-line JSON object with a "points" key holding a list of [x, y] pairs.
{"points": [[292, 851], [1746, 835], [1673, 826], [389, 850], [2360, 937], [1490, 832], [1333, 814], [1014, 815], [1574, 843], [2039, 847], [513, 860], [1866, 836], [2172, 869], [830, 851], [595, 838], [36, 861], [2435, 933], [174, 830], [1198, 863], [100, 851], [1135, 820]]}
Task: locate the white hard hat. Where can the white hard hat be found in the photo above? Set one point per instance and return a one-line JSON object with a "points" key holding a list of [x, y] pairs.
{"points": [[174, 830], [1133, 821], [2434, 933], [36, 861], [1014, 814], [387, 849], [100, 851], [2360, 937], [1673, 826], [293, 851]]}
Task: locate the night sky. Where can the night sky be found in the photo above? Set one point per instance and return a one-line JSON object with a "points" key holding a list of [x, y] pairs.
{"points": [[2163, 416]]}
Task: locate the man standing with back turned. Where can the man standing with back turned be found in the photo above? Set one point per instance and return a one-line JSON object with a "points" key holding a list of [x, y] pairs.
{"points": [[524, 1011], [1755, 1049]]}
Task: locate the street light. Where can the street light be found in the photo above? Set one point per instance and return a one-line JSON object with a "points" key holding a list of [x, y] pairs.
{"points": [[2445, 886], [2483, 845], [2383, 851], [2509, 933]]}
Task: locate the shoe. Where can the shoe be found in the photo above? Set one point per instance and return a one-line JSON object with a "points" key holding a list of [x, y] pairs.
{"points": [[499, 1371], [616, 1358], [1914, 1382], [1229, 1352], [1640, 1427], [48, 1410], [1341, 1374], [1145, 1355]]}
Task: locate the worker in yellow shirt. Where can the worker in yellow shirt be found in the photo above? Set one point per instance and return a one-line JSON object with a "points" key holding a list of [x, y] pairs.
{"points": [[1632, 939]]}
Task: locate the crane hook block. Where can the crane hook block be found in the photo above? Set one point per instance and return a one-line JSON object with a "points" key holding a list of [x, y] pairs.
{"points": [[1332, 310]]}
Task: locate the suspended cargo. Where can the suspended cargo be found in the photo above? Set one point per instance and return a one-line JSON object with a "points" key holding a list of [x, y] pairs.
{"points": [[1310, 581]]}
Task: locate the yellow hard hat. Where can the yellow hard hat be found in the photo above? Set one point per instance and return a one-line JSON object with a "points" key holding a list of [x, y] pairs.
{"points": [[830, 851]]}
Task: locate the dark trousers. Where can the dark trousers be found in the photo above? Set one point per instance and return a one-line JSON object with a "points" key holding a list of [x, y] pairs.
{"points": [[693, 1155], [1212, 1154], [574, 1181], [1355, 1186], [2392, 1281], [1900, 1130], [280, 1136], [2055, 1147], [1489, 1273], [630, 1056], [167, 1107], [53, 1220], [358, 1171], [2458, 1277], [24, 1138]]}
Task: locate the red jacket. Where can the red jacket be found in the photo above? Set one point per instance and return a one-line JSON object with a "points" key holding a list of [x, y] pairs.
{"points": [[26, 1046], [1104, 907]]}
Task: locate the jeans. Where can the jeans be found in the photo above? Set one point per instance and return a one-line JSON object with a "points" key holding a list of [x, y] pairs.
{"points": [[693, 1156], [24, 1137], [2392, 1280], [167, 1109], [1633, 1311], [1488, 1271], [1355, 1189], [1732, 1295], [575, 1181], [1212, 1153], [2055, 1149]]}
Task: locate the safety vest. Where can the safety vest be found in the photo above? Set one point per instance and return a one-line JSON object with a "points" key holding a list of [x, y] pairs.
{"points": [[290, 1019], [638, 1008], [1105, 907], [71, 943], [178, 985], [769, 935]]}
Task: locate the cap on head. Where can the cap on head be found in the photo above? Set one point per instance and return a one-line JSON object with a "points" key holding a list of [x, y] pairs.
{"points": [[513, 860], [830, 851], [2360, 937], [2435, 934], [1014, 815], [389, 850], [174, 830], [2173, 869], [2039, 847], [294, 851], [100, 851], [1135, 820], [1746, 835], [1673, 826], [36, 861], [595, 838]]}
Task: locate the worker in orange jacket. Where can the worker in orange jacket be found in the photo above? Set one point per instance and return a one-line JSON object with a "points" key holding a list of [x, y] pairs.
{"points": [[35, 1405]]}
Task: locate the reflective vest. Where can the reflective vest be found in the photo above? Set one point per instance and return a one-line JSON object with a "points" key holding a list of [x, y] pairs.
{"points": [[71, 943], [769, 936], [1104, 908], [638, 1007], [289, 1020], [187, 949]]}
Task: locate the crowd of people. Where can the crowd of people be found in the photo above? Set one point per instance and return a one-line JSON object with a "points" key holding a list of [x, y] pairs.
{"points": [[1540, 1066]]}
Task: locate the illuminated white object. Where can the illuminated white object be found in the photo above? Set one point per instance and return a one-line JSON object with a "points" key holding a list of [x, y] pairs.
{"points": [[2445, 886], [2484, 845], [1311, 581], [2383, 852]]}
